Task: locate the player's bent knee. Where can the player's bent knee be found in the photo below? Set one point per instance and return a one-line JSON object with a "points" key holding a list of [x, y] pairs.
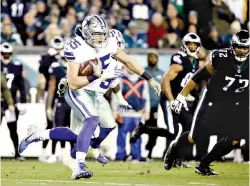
{"points": [[235, 142], [191, 140]]}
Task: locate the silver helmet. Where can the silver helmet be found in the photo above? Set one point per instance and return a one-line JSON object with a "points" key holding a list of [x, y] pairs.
{"points": [[119, 37], [95, 31], [191, 38], [6, 52], [240, 44]]}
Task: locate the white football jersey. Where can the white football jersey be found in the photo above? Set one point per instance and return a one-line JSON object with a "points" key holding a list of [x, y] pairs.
{"points": [[78, 51]]}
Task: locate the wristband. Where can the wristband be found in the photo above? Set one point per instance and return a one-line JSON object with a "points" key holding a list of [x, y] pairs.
{"points": [[91, 78], [146, 76]]}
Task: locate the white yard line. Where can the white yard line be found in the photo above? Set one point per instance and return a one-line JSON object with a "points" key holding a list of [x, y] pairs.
{"points": [[45, 182], [197, 183]]}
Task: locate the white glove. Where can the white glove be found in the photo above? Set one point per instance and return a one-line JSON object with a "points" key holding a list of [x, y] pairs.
{"points": [[123, 105], [117, 73], [178, 103], [21, 108], [61, 88], [97, 68], [155, 85]]}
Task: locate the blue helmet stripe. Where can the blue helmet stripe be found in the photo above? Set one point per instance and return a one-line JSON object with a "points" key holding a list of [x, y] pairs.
{"points": [[100, 21]]}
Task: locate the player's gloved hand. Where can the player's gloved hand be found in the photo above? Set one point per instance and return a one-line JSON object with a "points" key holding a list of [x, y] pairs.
{"points": [[178, 103], [49, 113], [155, 85], [97, 68], [123, 106], [21, 107], [117, 73], [61, 88], [11, 108]]}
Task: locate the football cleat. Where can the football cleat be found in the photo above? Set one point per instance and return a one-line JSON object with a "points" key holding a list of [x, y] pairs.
{"points": [[81, 172], [169, 159], [179, 164], [205, 171], [31, 137], [137, 132], [102, 159]]}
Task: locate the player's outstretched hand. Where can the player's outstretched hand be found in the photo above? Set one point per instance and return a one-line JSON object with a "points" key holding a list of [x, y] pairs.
{"points": [[155, 85], [117, 73], [178, 103], [123, 106], [97, 68]]}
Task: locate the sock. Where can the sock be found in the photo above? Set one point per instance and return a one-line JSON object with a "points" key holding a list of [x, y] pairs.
{"points": [[62, 134], [104, 132], [221, 148], [95, 152], [181, 143], [54, 147], [80, 156], [159, 131], [83, 139]]}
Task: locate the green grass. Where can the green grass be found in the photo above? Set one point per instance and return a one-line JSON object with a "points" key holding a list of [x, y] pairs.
{"points": [[34, 173]]}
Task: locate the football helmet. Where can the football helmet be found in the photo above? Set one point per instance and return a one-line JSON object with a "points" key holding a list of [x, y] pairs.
{"points": [[119, 37], [57, 43], [191, 38], [6, 52], [240, 44], [95, 31]]}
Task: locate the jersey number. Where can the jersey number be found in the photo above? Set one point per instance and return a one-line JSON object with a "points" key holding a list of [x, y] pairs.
{"points": [[105, 84], [10, 78], [74, 44], [223, 53], [231, 80], [186, 79]]}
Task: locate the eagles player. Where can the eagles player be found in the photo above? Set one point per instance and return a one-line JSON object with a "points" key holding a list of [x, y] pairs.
{"points": [[183, 65], [223, 103], [53, 55], [12, 70]]}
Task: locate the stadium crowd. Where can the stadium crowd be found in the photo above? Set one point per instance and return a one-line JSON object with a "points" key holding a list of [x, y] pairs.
{"points": [[144, 23]]}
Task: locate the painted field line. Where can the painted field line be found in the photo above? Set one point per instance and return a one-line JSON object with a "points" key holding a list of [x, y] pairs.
{"points": [[44, 182]]}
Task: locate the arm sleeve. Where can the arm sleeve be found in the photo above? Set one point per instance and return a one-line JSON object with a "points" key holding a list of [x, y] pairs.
{"points": [[6, 92], [145, 95]]}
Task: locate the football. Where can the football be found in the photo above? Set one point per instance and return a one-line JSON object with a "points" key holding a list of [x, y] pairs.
{"points": [[86, 69]]}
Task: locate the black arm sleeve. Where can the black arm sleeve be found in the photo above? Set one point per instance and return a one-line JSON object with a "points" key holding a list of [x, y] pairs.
{"points": [[201, 74]]}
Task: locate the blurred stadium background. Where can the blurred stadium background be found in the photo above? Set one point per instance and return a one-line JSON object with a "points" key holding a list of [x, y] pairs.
{"points": [[29, 26]]}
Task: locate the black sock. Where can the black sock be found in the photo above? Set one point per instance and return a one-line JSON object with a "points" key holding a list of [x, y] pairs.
{"points": [[54, 146], [181, 143], [221, 148], [14, 137]]}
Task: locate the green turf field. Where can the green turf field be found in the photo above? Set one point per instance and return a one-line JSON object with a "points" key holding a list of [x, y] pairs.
{"points": [[34, 173]]}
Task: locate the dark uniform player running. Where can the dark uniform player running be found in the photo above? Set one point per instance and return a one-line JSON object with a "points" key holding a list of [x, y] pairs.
{"points": [[46, 60], [183, 65], [224, 103], [58, 71], [12, 70]]}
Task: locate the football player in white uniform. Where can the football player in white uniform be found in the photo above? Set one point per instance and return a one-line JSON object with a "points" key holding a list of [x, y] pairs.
{"points": [[82, 94]]}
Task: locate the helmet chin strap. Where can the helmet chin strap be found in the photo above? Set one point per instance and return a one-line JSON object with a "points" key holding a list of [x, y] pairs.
{"points": [[6, 61], [193, 54]]}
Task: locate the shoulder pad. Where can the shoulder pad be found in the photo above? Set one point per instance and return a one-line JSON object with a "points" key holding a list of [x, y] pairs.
{"points": [[55, 64], [68, 52], [182, 53], [18, 63], [177, 59]]}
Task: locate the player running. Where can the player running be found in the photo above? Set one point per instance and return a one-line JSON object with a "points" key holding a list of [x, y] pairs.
{"points": [[223, 103]]}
